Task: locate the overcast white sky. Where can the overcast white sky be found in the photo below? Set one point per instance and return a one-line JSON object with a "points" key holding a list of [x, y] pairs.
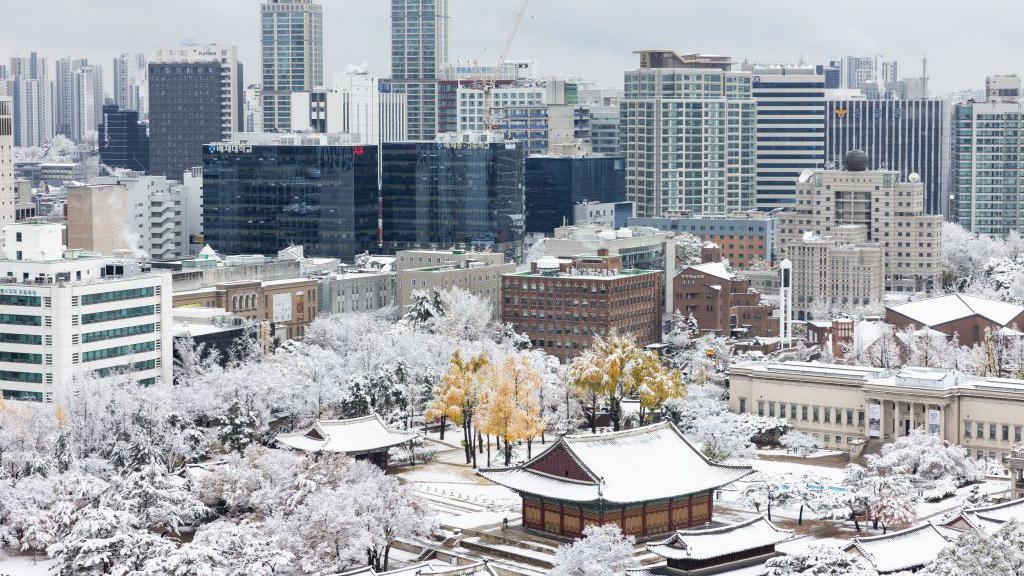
{"points": [[964, 41]]}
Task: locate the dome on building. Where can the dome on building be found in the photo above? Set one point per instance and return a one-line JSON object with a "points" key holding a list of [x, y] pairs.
{"points": [[856, 161]]}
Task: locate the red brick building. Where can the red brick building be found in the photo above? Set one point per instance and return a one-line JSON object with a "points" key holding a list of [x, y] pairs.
{"points": [[722, 302], [562, 303], [966, 316]]}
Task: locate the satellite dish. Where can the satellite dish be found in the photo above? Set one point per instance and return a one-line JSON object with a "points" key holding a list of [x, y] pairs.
{"points": [[914, 178]]}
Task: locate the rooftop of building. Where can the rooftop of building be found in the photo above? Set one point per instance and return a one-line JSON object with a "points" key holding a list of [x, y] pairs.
{"points": [[354, 436], [720, 541], [944, 309], [904, 550], [652, 462]]}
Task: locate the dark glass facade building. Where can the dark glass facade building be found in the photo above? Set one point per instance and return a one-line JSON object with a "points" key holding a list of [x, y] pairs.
{"points": [[185, 112], [442, 194], [258, 199], [909, 136], [554, 184], [123, 142]]}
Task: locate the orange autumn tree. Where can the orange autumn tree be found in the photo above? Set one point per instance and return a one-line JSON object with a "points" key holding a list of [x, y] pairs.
{"points": [[511, 412], [459, 396]]}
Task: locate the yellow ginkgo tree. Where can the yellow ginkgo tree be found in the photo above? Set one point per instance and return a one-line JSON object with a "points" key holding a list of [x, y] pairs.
{"points": [[615, 368], [459, 396], [511, 412]]}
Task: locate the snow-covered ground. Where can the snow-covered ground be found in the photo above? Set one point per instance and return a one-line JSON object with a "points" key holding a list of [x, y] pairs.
{"points": [[24, 566]]}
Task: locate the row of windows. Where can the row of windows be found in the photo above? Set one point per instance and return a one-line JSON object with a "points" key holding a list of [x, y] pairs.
{"points": [[19, 300], [804, 412], [7, 338], [30, 377], [118, 333], [136, 367], [998, 432], [121, 314], [20, 357], [21, 320], [93, 355], [117, 295]]}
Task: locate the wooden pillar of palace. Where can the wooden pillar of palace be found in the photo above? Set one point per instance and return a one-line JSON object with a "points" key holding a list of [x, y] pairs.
{"points": [[671, 524], [643, 518], [622, 518], [582, 526], [689, 504], [561, 518], [522, 512], [711, 504]]}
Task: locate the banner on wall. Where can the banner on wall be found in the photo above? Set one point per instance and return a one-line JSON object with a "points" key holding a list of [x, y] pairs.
{"points": [[933, 421], [874, 420]]}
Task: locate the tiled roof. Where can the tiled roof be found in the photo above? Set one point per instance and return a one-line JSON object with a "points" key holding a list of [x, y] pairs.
{"points": [[721, 541], [352, 437]]}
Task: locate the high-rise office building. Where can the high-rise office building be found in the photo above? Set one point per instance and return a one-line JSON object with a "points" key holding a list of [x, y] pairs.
{"points": [[604, 130], [988, 195], [130, 83], [688, 131], [463, 189], [355, 106], [262, 196], [555, 184], [122, 141], [8, 198], [831, 73], [28, 84], [790, 130], [65, 314], [419, 52], [908, 136], [291, 57], [194, 98]]}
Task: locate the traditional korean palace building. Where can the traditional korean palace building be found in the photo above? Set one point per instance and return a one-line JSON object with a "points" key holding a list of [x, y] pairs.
{"points": [[365, 438], [733, 549], [913, 548], [650, 481]]}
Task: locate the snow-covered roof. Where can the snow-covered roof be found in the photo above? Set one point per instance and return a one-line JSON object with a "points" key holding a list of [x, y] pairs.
{"points": [[990, 518], [903, 550], [716, 269], [648, 463], [944, 309], [754, 570], [429, 568], [352, 437], [721, 541]]}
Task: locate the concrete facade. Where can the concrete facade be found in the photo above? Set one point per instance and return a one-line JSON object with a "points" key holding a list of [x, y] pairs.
{"points": [[478, 273], [842, 405], [722, 302], [842, 269], [289, 304], [891, 211]]}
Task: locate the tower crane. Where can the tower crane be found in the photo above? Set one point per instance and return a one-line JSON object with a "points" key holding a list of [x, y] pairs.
{"points": [[487, 81]]}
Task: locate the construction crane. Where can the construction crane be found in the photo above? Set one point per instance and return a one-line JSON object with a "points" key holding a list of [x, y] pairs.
{"points": [[488, 81]]}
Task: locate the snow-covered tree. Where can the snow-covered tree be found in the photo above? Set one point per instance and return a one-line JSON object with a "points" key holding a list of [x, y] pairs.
{"points": [[980, 554], [818, 560], [603, 551], [800, 443], [927, 457], [239, 428], [895, 501], [104, 541], [688, 249]]}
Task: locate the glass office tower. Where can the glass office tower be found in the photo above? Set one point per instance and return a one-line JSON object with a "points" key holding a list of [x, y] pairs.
{"points": [[554, 184], [259, 199], [292, 56], [443, 194]]}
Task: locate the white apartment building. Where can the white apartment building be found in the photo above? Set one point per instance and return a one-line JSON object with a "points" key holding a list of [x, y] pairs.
{"points": [[478, 273], [130, 83], [354, 106], [891, 211], [688, 132], [471, 103], [29, 86], [844, 406], [63, 312], [291, 56], [8, 198], [231, 70]]}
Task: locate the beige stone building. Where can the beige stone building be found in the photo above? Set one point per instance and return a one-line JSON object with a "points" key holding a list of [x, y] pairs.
{"points": [[842, 268], [289, 304], [99, 218], [478, 273], [844, 406], [890, 210]]}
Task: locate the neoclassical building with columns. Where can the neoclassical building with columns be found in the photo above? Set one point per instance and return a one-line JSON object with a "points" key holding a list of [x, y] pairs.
{"points": [[843, 405]]}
